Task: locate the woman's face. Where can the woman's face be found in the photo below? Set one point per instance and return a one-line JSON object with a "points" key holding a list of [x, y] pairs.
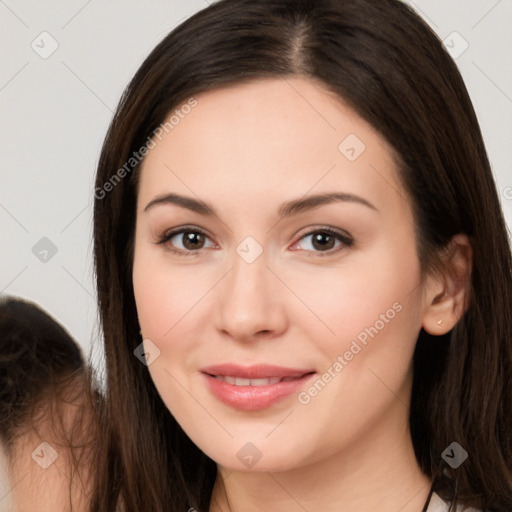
{"points": [[257, 279]]}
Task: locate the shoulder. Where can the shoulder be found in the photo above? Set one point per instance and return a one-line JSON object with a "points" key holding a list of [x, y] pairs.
{"points": [[47, 464], [437, 504]]}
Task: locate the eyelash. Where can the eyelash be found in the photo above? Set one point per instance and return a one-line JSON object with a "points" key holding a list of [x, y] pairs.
{"points": [[343, 238]]}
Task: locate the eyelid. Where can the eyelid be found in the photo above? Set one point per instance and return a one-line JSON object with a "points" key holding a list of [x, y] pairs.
{"points": [[309, 230], [343, 236]]}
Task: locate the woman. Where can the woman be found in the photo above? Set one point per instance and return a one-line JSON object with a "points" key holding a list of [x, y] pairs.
{"points": [[303, 271]]}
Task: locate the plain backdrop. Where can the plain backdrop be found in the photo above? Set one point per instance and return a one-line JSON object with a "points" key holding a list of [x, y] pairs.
{"points": [[55, 110]]}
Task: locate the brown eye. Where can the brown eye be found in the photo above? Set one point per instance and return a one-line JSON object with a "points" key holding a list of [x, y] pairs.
{"points": [[324, 241], [185, 241], [192, 240]]}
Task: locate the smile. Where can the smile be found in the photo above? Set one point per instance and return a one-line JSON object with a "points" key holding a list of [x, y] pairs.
{"points": [[240, 381], [254, 391]]}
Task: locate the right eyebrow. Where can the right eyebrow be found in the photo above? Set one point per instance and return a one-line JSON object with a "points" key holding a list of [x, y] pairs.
{"points": [[186, 202]]}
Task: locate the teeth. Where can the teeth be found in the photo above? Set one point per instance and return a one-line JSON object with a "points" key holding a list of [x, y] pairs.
{"points": [[240, 381]]}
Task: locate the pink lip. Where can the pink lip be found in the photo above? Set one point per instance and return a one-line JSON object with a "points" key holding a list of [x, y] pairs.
{"points": [[253, 398]]}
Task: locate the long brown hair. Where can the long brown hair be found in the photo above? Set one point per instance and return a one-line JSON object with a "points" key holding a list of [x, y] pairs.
{"points": [[384, 61]]}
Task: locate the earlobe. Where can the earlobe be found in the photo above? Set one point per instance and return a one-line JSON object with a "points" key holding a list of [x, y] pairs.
{"points": [[441, 317], [447, 294]]}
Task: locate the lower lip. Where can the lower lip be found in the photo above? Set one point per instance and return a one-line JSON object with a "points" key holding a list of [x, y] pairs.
{"points": [[254, 398]]}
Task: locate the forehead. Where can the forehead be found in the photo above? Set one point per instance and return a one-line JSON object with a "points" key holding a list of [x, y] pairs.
{"points": [[267, 138]]}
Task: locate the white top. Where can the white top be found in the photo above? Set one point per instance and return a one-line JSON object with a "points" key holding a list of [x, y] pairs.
{"points": [[439, 505]]}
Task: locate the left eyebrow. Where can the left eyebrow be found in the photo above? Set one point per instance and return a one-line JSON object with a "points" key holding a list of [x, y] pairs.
{"points": [[286, 209], [314, 201]]}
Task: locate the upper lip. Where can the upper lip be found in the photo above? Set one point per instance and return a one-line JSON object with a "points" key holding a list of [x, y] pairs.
{"points": [[258, 371]]}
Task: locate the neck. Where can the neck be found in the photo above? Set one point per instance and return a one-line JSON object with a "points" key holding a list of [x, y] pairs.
{"points": [[378, 471]]}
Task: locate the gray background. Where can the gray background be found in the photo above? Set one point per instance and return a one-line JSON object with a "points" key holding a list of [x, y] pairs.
{"points": [[55, 112]]}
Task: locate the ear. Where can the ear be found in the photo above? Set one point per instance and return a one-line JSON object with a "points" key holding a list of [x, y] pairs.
{"points": [[447, 292]]}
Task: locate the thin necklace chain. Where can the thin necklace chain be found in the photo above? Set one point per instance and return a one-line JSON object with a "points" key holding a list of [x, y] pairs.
{"points": [[429, 498]]}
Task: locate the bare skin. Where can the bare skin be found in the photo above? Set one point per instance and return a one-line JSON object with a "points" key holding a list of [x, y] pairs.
{"points": [[40, 468], [245, 150]]}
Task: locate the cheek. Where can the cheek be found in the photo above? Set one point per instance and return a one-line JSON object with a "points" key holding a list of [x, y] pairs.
{"points": [[166, 297], [363, 296], [164, 293], [161, 302], [373, 313]]}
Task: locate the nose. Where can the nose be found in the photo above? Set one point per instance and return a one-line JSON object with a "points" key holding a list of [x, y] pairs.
{"points": [[250, 302]]}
